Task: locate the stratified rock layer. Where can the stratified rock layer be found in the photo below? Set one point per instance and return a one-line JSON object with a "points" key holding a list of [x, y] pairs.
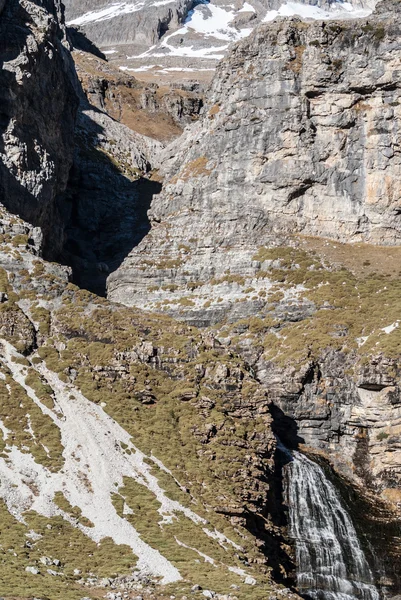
{"points": [[300, 136], [134, 23]]}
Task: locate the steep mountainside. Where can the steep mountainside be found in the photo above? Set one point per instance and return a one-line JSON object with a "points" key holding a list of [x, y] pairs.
{"points": [[134, 450], [132, 447], [300, 134], [141, 456], [155, 110]]}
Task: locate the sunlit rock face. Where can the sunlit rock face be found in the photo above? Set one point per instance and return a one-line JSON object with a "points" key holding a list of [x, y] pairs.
{"points": [[299, 136]]}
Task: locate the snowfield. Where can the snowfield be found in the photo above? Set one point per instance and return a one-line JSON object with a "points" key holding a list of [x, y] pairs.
{"points": [[306, 11], [210, 26]]}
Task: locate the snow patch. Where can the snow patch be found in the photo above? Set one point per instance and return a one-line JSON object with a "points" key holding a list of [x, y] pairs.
{"points": [[247, 8], [362, 340], [391, 327], [210, 20]]}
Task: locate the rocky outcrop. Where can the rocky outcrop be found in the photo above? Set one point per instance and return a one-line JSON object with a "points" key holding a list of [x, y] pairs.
{"points": [[187, 36], [78, 373], [38, 116], [157, 111], [109, 192], [299, 136]]}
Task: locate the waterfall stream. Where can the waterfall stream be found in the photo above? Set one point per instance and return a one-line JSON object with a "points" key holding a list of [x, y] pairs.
{"points": [[331, 564]]}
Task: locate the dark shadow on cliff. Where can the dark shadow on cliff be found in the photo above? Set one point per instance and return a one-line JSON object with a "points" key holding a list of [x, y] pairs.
{"points": [[81, 42], [270, 527], [285, 428], [102, 214], [12, 38], [277, 549], [108, 209]]}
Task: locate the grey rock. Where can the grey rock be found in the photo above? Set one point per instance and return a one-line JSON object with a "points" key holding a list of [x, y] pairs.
{"points": [[37, 126], [32, 570], [143, 27], [145, 34]]}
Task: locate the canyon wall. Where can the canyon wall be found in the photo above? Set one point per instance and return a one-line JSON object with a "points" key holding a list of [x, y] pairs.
{"points": [[300, 134], [133, 23], [38, 112]]}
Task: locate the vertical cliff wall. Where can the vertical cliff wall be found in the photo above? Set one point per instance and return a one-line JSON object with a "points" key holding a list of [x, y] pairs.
{"points": [[37, 119]]}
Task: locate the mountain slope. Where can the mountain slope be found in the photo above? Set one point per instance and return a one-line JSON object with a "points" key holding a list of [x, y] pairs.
{"points": [[299, 140], [135, 452], [129, 430]]}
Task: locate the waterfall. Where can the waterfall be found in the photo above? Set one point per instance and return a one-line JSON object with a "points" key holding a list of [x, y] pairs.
{"points": [[331, 564]]}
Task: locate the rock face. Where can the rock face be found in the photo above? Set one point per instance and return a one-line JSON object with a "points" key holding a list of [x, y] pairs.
{"points": [[158, 111], [59, 402], [109, 196], [187, 36], [38, 116], [300, 134]]}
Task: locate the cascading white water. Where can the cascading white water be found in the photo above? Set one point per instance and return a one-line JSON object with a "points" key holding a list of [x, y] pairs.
{"points": [[331, 564]]}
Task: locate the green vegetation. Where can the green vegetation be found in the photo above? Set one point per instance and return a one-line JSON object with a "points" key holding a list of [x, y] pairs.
{"points": [[59, 540], [184, 542]]}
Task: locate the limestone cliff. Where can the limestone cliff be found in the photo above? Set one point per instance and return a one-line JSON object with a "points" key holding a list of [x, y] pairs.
{"points": [[129, 22], [38, 108], [300, 134], [134, 450]]}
